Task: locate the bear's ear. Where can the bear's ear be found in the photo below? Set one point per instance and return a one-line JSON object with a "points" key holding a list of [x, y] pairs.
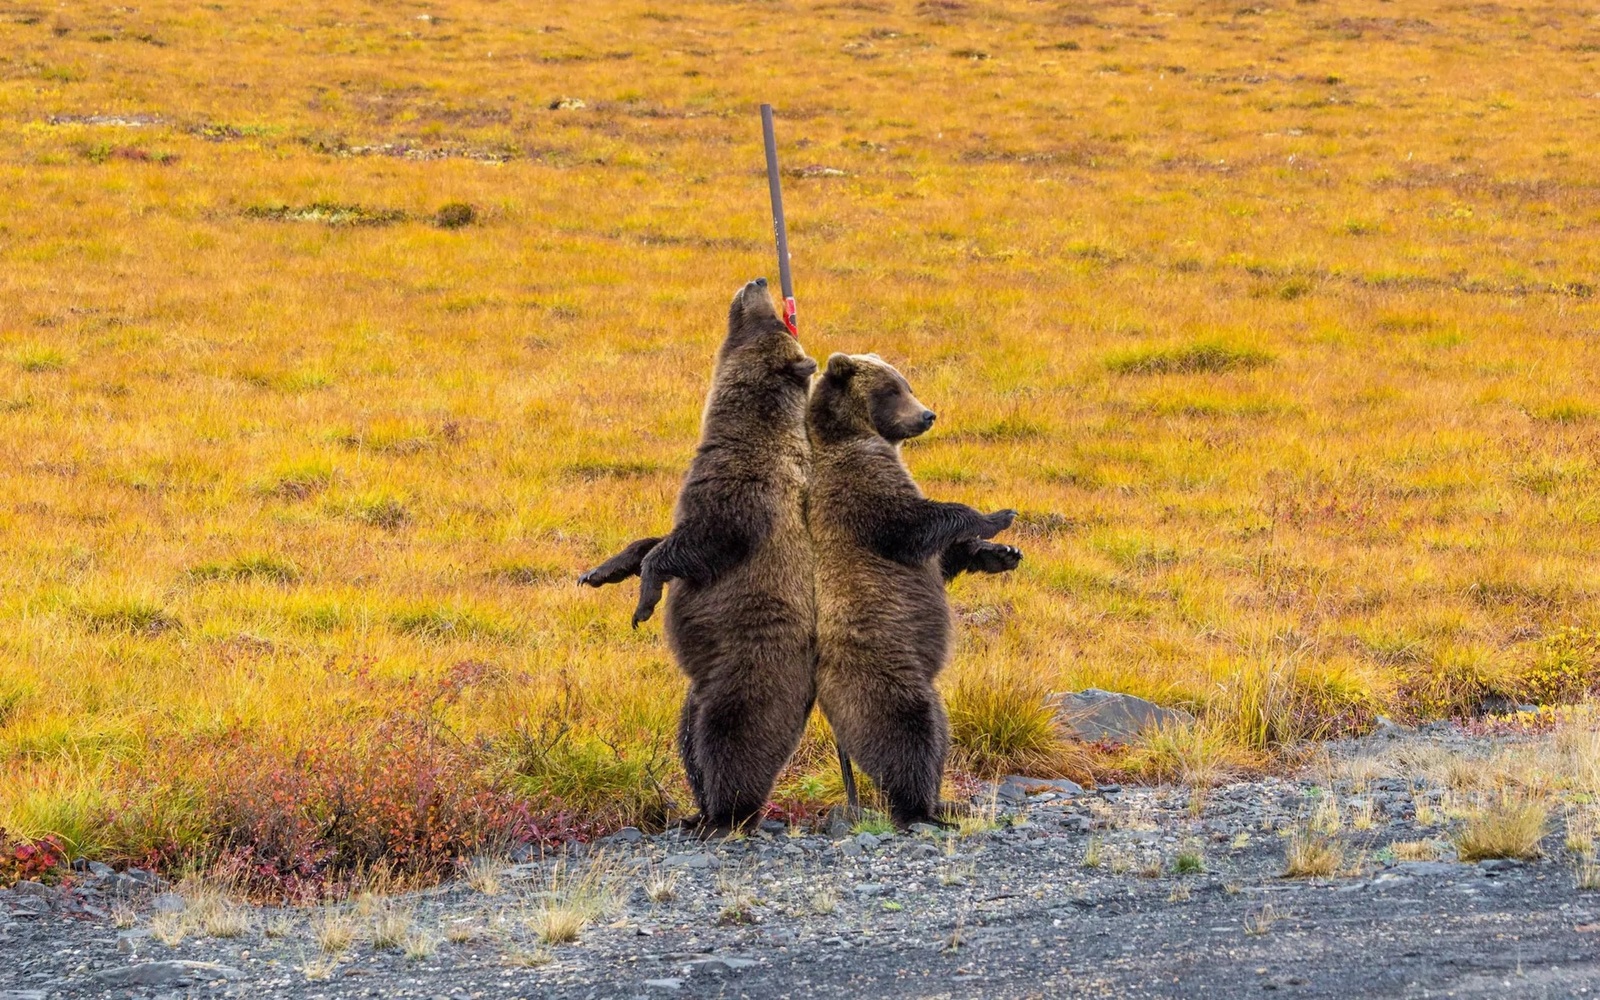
{"points": [[841, 366]]}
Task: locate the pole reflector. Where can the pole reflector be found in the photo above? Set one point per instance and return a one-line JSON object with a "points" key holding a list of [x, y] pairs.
{"points": [[779, 229]]}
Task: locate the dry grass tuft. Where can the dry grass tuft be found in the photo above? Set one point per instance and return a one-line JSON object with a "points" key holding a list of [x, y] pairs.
{"points": [[333, 929], [1508, 827], [483, 875], [1311, 854]]}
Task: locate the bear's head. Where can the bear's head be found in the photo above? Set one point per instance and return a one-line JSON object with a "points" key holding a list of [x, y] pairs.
{"points": [[759, 350], [860, 395]]}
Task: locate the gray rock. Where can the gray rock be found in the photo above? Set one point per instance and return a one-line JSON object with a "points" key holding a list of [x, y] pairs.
{"points": [[695, 861], [869, 889], [30, 906], [867, 841], [100, 870], [850, 849], [923, 829], [22, 994], [626, 835], [170, 973], [774, 826], [719, 965], [142, 877], [38, 889], [924, 851], [1093, 714], [168, 902], [670, 985], [1496, 865]]}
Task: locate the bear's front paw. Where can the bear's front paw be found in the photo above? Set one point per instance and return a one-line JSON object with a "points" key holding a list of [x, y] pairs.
{"points": [[998, 558]]}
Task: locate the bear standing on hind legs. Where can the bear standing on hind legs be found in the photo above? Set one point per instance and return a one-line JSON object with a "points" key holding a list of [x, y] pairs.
{"points": [[883, 553], [740, 609]]}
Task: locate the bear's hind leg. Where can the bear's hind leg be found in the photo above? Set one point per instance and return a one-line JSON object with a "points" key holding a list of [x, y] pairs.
{"points": [[743, 742], [901, 744]]}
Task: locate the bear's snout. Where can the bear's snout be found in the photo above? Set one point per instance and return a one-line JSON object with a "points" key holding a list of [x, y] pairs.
{"points": [[928, 417]]}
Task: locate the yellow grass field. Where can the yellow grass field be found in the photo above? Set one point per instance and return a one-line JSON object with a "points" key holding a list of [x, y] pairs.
{"points": [[1277, 320]]}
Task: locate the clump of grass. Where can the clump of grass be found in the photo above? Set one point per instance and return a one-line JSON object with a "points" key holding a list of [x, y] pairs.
{"points": [[212, 910], [1191, 860], [873, 822], [439, 624], [1001, 724], [1312, 854], [130, 615], [1094, 853], [1416, 850], [1508, 827], [483, 875], [618, 780], [661, 887], [824, 902], [1196, 753], [1205, 357], [572, 900], [299, 480], [1588, 875], [1263, 920], [455, 215], [392, 924], [257, 567], [738, 897], [39, 359], [381, 510]]}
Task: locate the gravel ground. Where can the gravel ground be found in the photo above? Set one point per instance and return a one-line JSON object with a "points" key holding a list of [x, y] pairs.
{"points": [[1104, 892]]}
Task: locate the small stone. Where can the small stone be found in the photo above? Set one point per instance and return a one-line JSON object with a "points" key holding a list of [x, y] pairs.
{"points": [[867, 841], [670, 985], [793, 851], [33, 889], [100, 870], [694, 861], [869, 889], [924, 851], [1497, 865], [923, 829], [142, 877], [626, 835], [30, 906], [850, 849], [774, 826]]}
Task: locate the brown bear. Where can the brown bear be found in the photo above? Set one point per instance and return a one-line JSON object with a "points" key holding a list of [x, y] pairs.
{"points": [[740, 609], [883, 552]]}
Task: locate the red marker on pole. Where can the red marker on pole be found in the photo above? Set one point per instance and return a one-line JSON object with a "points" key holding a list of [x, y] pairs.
{"points": [[785, 279]]}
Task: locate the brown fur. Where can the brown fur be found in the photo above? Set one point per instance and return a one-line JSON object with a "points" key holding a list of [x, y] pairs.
{"points": [[740, 609], [883, 622]]}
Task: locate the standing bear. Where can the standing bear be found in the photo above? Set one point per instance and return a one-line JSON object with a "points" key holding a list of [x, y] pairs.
{"points": [[883, 553], [740, 609]]}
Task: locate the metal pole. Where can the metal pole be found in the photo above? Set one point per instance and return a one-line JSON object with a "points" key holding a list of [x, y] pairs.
{"points": [[779, 229]]}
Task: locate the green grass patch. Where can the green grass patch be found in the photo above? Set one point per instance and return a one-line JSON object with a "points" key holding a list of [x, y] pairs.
{"points": [[258, 567], [1204, 358], [131, 616]]}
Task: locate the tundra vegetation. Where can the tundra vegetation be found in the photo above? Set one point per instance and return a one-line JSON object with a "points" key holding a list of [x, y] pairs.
{"points": [[336, 340]]}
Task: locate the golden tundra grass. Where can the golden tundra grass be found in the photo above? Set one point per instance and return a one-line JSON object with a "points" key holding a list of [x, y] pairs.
{"points": [[1276, 322]]}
